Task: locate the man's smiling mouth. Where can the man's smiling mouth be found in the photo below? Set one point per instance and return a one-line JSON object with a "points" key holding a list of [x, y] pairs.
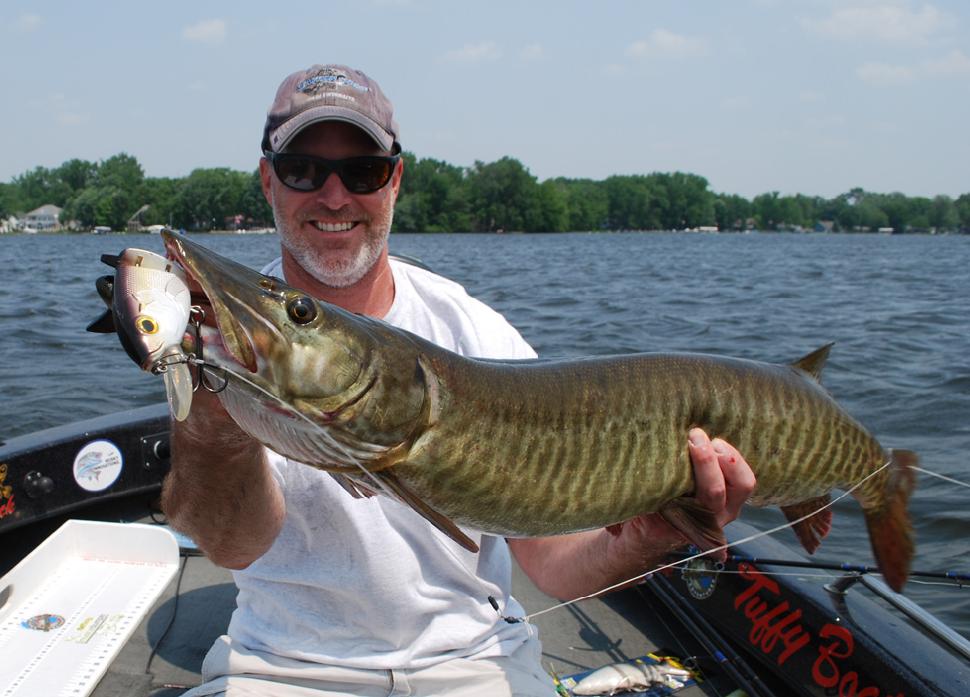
{"points": [[333, 227]]}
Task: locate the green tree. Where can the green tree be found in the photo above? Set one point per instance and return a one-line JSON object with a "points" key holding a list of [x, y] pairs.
{"points": [[8, 200], [40, 186], [688, 202], [962, 205], [503, 195], [103, 205], [208, 197], [587, 204], [731, 212], [253, 205], [635, 202], [433, 197], [159, 193], [943, 214], [76, 174]]}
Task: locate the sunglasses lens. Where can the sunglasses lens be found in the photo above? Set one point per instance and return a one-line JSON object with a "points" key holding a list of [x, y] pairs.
{"points": [[365, 174], [300, 173]]}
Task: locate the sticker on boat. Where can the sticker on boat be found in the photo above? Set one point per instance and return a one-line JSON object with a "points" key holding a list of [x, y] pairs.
{"points": [[97, 465]]}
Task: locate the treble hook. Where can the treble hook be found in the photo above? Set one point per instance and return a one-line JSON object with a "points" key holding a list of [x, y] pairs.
{"points": [[202, 379], [205, 379]]}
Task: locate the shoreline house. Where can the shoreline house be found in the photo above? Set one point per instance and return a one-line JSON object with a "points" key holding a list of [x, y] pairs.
{"points": [[44, 219]]}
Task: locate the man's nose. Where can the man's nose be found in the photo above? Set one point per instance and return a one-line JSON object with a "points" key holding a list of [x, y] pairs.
{"points": [[333, 194]]}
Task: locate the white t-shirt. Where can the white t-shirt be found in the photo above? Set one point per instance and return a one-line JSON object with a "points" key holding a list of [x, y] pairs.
{"points": [[368, 583]]}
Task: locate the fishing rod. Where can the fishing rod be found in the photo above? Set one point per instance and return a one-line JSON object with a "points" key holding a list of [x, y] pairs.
{"points": [[957, 576], [717, 647]]}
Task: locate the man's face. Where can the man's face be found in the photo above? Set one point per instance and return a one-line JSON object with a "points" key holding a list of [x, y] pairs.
{"points": [[334, 235]]}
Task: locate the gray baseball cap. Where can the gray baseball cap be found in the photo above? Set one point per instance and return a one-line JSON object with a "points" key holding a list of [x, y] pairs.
{"points": [[329, 93]]}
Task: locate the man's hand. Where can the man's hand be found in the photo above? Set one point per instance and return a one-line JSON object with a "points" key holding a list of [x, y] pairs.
{"points": [[723, 481]]}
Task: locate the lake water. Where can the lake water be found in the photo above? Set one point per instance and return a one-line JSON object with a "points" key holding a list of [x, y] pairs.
{"points": [[896, 306]]}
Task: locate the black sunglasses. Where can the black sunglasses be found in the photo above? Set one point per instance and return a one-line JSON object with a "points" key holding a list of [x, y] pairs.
{"points": [[361, 175]]}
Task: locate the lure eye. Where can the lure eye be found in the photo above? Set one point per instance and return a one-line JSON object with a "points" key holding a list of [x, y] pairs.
{"points": [[301, 309], [146, 324]]}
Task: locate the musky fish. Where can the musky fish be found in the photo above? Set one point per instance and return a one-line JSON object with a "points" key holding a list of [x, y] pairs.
{"points": [[533, 448]]}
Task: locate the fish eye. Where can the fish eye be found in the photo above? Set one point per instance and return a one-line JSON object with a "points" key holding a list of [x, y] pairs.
{"points": [[146, 324], [301, 309]]}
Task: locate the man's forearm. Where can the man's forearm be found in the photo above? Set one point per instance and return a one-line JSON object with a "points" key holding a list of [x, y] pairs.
{"points": [[571, 566], [221, 492]]}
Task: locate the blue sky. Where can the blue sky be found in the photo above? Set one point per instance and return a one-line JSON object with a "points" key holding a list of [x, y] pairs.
{"points": [[805, 96]]}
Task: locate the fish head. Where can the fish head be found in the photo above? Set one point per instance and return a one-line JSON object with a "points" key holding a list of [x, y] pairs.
{"points": [[150, 303], [280, 339]]}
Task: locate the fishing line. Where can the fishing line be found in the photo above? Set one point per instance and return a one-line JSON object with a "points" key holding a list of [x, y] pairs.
{"points": [[940, 476], [750, 538]]}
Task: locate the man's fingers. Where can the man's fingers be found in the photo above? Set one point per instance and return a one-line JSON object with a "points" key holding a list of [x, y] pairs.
{"points": [[738, 478], [709, 485]]}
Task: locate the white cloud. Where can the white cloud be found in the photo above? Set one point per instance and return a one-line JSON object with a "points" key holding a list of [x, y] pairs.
{"points": [[71, 118], [884, 21], [662, 43], [883, 74], [67, 111], [28, 22], [475, 53], [532, 52], [614, 70], [736, 103], [955, 62], [210, 31]]}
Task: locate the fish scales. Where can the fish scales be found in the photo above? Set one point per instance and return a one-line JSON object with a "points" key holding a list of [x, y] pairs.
{"points": [[663, 399], [523, 448]]}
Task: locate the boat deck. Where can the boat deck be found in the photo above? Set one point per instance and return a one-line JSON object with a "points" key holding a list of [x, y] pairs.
{"points": [[579, 637]]}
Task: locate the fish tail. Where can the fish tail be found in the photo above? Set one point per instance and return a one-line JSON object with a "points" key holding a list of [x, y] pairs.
{"points": [[890, 530]]}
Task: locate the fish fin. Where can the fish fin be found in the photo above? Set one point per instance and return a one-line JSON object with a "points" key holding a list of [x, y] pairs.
{"points": [[104, 324], [615, 529], [440, 521], [813, 529], [106, 289], [358, 491], [814, 362], [890, 530], [696, 523]]}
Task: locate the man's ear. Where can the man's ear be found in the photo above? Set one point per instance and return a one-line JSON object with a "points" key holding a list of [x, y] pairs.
{"points": [[265, 175], [396, 177]]}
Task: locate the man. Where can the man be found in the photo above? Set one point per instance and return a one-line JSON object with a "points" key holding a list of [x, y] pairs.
{"points": [[342, 596]]}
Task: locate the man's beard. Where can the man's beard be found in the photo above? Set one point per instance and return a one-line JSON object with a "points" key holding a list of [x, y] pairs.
{"points": [[334, 269]]}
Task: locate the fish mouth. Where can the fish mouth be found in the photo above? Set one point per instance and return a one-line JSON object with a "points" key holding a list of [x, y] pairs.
{"points": [[226, 287]]}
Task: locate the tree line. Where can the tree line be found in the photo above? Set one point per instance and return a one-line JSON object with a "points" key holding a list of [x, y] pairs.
{"points": [[487, 197]]}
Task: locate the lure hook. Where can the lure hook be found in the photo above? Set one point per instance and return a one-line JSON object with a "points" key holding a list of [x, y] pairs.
{"points": [[203, 370]]}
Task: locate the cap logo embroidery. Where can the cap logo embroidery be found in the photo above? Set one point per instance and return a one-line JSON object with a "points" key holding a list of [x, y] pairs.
{"points": [[329, 80]]}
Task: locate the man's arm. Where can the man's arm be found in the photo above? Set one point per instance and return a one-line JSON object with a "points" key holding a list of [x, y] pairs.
{"points": [[570, 566], [220, 489]]}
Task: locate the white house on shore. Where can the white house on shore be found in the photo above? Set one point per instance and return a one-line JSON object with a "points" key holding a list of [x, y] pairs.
{"points": [[47, 217]]}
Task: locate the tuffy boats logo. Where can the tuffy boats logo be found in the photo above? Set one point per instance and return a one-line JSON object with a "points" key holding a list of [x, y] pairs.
{"points": [[775, 628], [7, 505]]}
